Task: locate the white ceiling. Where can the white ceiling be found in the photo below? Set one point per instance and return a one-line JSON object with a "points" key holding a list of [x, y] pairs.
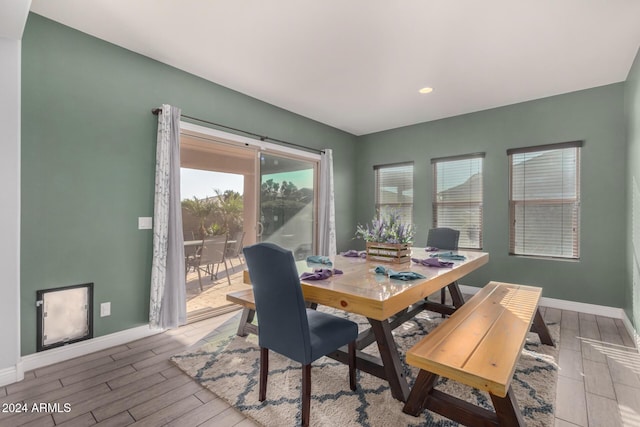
{"points": [[358, 64], [12, 18]]}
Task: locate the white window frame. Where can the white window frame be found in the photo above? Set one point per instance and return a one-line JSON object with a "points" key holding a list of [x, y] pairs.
{"points": [[571, 202], [379, 206], [465, 204]]}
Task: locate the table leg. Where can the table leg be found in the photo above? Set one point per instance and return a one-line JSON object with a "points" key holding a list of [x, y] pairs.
{"points": [[367, 337], [390, 359], [456, 295], [456, 298], [245, 321]]}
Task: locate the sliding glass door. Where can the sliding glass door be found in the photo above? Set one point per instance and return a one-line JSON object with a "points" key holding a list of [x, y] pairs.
{"points": [[218, 191], [233, 189], [287, 214]]}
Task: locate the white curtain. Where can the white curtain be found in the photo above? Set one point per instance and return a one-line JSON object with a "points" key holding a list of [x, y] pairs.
{"points": [[168, 300], [326, 211]]}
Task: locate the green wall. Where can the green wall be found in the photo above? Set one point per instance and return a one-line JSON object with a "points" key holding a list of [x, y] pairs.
{"points": [[88, 159], [632, 110], [595, 116]]}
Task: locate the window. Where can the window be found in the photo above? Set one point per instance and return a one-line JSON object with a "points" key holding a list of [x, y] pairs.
{"points": [[394, 190], [544, 201], [457, 197]]}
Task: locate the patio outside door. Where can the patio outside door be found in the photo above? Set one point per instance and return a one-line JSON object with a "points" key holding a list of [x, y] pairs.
{"points": [[287, 215], [219, 199], [229, 185]]}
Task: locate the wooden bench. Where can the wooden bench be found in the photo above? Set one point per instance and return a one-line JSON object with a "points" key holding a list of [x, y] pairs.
{"points": [[246, 300], [479, 345]]}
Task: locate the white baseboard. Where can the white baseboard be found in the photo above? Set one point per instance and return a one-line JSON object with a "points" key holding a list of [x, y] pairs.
{"points": [[55, 355], [632, 332], [599, 310], [9, 376]]}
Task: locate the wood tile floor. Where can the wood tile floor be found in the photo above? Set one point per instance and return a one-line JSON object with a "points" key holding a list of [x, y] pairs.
{"points": [[135, 384]]}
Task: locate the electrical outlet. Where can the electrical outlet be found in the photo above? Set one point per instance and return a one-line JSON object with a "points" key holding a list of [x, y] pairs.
{"points": [[105, 309]]}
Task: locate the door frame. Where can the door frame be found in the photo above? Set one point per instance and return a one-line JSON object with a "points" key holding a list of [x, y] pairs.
{"points": [[222, 137], [248, 142], [316, 193]]}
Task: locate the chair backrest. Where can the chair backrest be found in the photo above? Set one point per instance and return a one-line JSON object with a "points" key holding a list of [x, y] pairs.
{"points": [[213, 249], [191, 250], [443, 238], [237, 246], [282, 316]]}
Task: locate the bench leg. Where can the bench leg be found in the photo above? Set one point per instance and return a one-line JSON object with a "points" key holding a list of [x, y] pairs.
{"points": [[420, 393], [540, 328], [507, 410], [424, 396], [246, 319]]}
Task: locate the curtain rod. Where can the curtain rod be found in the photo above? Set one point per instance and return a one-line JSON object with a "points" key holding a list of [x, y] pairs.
{"points": [[156, 111]]}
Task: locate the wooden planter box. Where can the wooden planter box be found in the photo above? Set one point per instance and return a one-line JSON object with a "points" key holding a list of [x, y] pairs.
{"points": [[396, 253]]}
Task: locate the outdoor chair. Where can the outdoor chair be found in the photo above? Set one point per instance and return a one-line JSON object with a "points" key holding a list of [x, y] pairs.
{"points": [[443, 238], [212, 253], [234, 250], [286, 326], [191, 252]]}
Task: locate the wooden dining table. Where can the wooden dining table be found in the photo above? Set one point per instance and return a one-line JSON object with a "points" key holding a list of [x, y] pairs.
{"points": [[386, 303]]}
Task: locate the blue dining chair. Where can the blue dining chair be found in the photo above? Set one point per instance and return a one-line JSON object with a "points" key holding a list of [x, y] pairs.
{"points": [[443, 238], [286, 326]]}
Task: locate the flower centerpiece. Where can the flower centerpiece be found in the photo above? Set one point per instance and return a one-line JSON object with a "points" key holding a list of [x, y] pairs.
{"points": [[388, 239]]}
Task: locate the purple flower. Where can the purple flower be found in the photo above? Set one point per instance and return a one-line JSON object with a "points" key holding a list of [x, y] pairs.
{"points": [[386, 229]]}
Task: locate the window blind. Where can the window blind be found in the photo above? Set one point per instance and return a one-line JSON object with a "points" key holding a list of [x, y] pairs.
{"points": [[394, 190], [457, 197], [544, 200]]}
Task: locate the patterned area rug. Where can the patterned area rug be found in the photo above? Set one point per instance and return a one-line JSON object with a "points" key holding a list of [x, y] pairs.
{"points": [[228, 365]]}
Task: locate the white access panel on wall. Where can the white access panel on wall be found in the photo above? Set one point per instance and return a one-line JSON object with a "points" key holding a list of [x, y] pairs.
{"points": [[65, 315]]}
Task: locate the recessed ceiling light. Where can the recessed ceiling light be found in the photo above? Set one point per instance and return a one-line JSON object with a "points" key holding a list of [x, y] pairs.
{"points": [[426, 90]]}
